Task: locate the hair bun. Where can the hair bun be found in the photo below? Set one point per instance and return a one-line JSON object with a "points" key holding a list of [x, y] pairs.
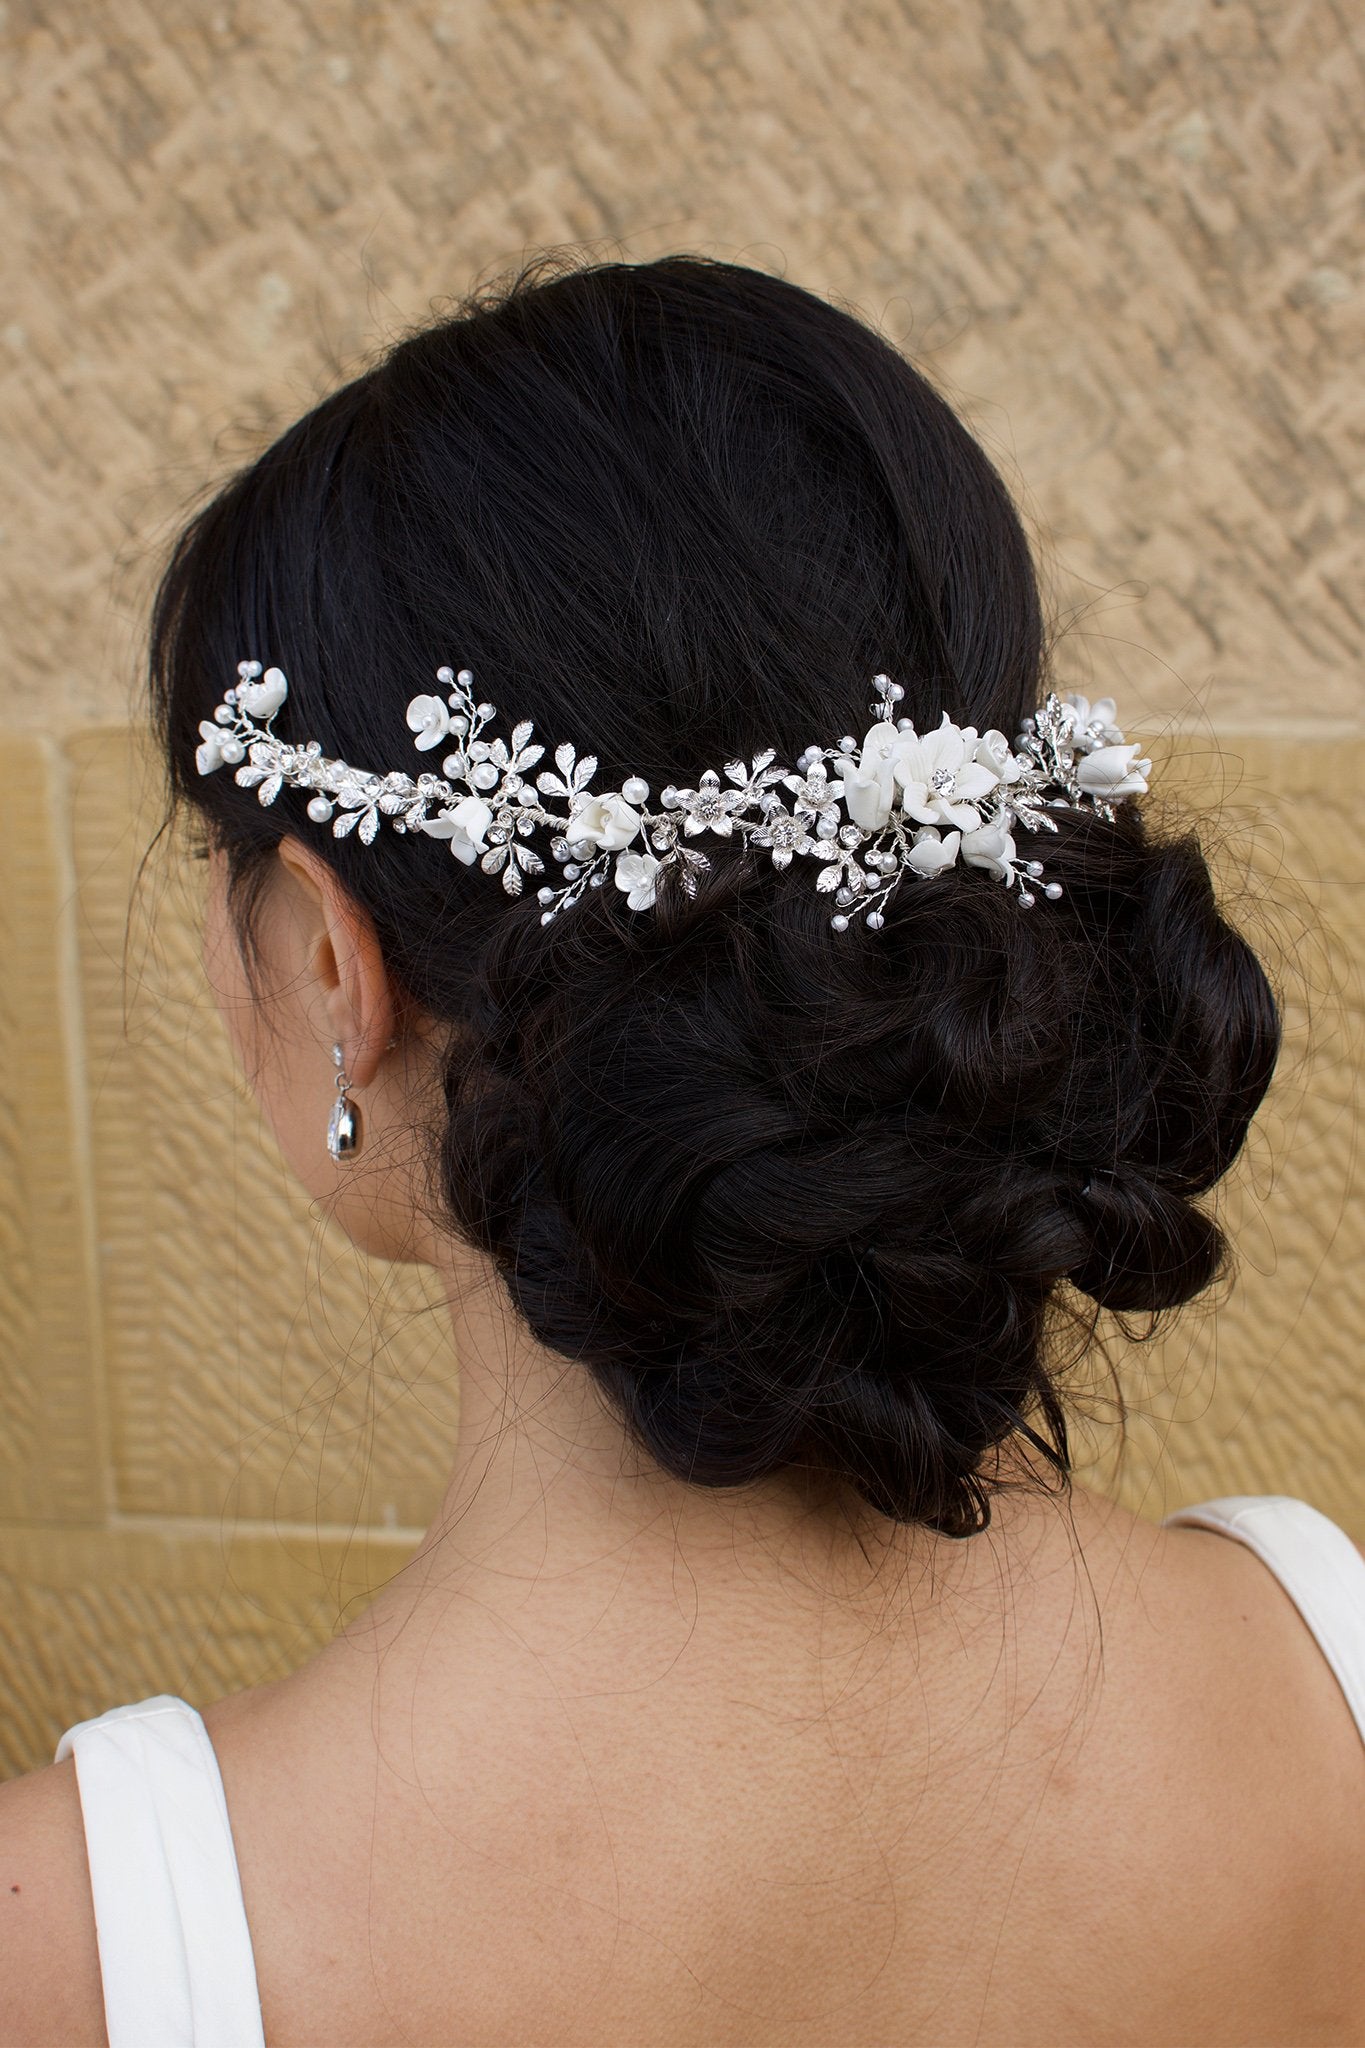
{"points": [[1148, 1247]]}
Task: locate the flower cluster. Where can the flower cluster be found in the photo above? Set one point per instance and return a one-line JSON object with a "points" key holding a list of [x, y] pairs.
{"points": [[866, 813]]}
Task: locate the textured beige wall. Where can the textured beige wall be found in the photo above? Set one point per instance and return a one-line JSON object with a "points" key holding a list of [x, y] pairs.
{"points": [[1128, 243]]}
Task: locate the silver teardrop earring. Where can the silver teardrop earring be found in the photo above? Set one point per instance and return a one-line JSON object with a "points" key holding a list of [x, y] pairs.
{"points": [[343, 1125]]}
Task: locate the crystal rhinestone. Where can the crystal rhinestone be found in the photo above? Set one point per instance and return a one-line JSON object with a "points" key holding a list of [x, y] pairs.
{"points": [[942, 780]]}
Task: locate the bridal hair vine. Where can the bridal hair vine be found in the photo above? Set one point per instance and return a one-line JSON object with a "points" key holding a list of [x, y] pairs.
{"points": [[867, 814]]}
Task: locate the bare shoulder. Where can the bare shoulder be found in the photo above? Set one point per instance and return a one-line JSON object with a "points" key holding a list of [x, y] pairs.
{"points": [[50, 1993]]}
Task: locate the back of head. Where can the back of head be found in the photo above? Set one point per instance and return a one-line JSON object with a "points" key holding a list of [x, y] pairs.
{"points": [[796, 1197]]}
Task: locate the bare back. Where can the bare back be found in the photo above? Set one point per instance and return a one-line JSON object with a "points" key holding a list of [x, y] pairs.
{"points": [[1127, 1807]]}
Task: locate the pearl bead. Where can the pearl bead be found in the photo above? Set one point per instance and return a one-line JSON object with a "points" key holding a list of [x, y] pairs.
{"points": [[445, 675], [1053, 891], [572, 870], [320, 810], [875, 919], [546, 916], [897, 692], [840, 923], [545, 895], [466, 676], [635, 789], [485, 776], [1026, 898], [1034, 868]]}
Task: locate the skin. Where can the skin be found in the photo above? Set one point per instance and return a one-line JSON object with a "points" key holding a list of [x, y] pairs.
{"points": [[617, 1760]]}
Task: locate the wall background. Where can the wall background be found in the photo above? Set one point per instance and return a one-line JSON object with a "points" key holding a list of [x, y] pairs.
{"points": [[1125, 240]]}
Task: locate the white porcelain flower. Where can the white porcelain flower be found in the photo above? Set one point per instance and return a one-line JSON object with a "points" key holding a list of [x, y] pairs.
{"points": [[1112, 772], [636, 874], [608, 821], [464, 827], [216, 747], [930, 851], [264, 699], [1099, 714], [990, 846], [994, 751], [869, 790], [429, 718], [938, 777]]}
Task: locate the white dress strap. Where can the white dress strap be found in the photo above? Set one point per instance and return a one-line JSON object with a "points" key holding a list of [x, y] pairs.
{"points": [[1314, 1560], [174, 1947]]}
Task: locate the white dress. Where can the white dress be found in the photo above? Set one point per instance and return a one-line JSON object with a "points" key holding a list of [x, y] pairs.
{"points": [[174, 1947]]}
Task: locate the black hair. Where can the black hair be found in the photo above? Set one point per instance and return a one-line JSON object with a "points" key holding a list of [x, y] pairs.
{"points": [[796, 1198]]}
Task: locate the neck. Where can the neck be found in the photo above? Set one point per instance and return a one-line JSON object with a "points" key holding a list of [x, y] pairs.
{"points": [[551, 1512]]}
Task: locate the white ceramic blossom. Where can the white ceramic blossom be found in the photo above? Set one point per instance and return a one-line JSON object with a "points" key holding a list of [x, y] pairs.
{"points": [[869, 790], [1093, 724], [901, 803], [939, 779], [464, 825], [636, 873], [606, 822], [1113, 772]]}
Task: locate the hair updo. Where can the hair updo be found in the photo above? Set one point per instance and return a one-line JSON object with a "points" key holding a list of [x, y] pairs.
{"points": [[794, 1197]]}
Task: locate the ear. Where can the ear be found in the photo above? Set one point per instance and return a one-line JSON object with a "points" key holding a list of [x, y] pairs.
{"points": [[347, 963]]}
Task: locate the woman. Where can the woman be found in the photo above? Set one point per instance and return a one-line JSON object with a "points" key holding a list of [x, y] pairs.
{"points": [[781, 1095]]}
